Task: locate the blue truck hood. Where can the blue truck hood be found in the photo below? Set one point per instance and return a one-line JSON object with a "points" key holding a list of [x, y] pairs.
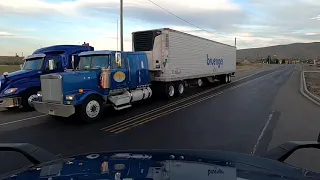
{"points": [[17, 75], [20, 74], [73, 81]]}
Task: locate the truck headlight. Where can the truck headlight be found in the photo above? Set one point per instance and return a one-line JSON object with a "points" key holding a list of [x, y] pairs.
{"points": [[11, 90], [69, 97], [39, 94]]}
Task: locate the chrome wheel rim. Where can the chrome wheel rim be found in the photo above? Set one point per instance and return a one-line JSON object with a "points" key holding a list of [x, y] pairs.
{"points": [[227, 79], [181, 88], [93, 109], [171, 91], [31, 99], [200, 83]]}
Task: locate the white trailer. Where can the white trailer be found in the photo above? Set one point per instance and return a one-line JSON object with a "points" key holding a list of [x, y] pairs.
{"points": [[177, 59]]}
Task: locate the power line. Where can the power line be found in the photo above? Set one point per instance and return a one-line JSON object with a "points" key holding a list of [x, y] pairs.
{"points": [[192, 23], [184, 19], [244, 43]]}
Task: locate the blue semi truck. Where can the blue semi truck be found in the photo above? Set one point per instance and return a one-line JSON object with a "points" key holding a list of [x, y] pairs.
{"points": [[101, 77], [163, 61], [19, 88]]}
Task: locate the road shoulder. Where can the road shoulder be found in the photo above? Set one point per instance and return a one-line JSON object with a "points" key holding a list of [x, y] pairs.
{"points": [[299, 121]]}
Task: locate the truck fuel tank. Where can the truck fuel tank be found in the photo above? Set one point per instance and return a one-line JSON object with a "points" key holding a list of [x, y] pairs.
{"points": [[105, 78], [124, 100], [140, 94]]}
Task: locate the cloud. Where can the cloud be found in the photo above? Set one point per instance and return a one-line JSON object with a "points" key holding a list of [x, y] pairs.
{"points": [[205, 13], [5, 34], [316, 18], [312, 34], [255, 23]]}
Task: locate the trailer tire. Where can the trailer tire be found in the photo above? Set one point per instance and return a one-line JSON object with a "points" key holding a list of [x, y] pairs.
{"points": [[27, 98], [170, 90], [91, 109], [229, 78], [180, 88]]}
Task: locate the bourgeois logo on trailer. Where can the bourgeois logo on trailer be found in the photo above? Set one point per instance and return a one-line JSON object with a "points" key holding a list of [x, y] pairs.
{"points": [[214, 61]]}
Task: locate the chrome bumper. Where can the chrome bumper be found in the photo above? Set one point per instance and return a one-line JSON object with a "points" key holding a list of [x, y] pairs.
{"points": [[10, 102], [54, 109]]}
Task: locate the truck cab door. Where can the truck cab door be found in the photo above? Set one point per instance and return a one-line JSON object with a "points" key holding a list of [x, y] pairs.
{"points": [[119, 72]]}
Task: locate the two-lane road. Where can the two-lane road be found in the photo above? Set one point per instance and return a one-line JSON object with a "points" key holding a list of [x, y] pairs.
{"points": [[235, 117]]}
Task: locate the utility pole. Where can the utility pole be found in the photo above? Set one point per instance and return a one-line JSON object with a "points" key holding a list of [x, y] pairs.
{"points": [[121, 24], [117, 34], [235, 42]]}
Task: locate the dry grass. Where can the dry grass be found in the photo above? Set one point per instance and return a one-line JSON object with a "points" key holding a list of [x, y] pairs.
{"points": [[9, 68], [247, 67], [10, 60], [313, 82]]}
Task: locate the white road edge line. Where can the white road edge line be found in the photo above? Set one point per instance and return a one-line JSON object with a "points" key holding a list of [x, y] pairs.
{"points": [[20, 120], [262, 133]]}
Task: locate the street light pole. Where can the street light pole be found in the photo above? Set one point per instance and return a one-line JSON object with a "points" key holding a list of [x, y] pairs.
{"points": [[121, 24]]}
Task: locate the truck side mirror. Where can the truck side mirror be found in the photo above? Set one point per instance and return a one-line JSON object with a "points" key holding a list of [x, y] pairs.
{"points": [[118, 58], [72, 62], [51, 64]]}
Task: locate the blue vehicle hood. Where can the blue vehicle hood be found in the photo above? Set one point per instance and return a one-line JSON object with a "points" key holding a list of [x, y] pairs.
{"points": [[73, 81], [17, 75], [159, 164], [20, 74]]}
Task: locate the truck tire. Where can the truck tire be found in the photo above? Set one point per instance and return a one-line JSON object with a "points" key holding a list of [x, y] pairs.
{"points": [[170, 90], [180, 88], [28, 98], [229, 78], [91, 109]]}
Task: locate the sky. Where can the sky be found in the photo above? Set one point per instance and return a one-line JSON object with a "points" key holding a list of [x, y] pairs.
{"points": [[26, 25]]}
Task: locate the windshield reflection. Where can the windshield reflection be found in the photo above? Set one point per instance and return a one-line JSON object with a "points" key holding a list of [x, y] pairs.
{"points": [[33, 64], [94, 62]]}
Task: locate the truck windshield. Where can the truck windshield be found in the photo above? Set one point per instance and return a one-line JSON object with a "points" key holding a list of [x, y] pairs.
{"points": [[94, 62], [33, 64]]}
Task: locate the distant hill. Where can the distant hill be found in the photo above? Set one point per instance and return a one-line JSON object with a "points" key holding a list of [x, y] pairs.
{"points": [[302, 51]]}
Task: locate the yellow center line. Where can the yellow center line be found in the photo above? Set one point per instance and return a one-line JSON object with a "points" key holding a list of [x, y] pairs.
{"points": [[126, 121], [117, 130], [137, 123]]}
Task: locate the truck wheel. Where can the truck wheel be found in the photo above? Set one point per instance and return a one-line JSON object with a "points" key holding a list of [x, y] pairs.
{"points": [[229, 78], [27, 100], [199, 82], [91, 109], [180, 88], [170, 90]]}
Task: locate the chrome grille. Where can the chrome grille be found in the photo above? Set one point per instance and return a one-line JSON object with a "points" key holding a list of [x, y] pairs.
{"points": [[51, 88]]}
